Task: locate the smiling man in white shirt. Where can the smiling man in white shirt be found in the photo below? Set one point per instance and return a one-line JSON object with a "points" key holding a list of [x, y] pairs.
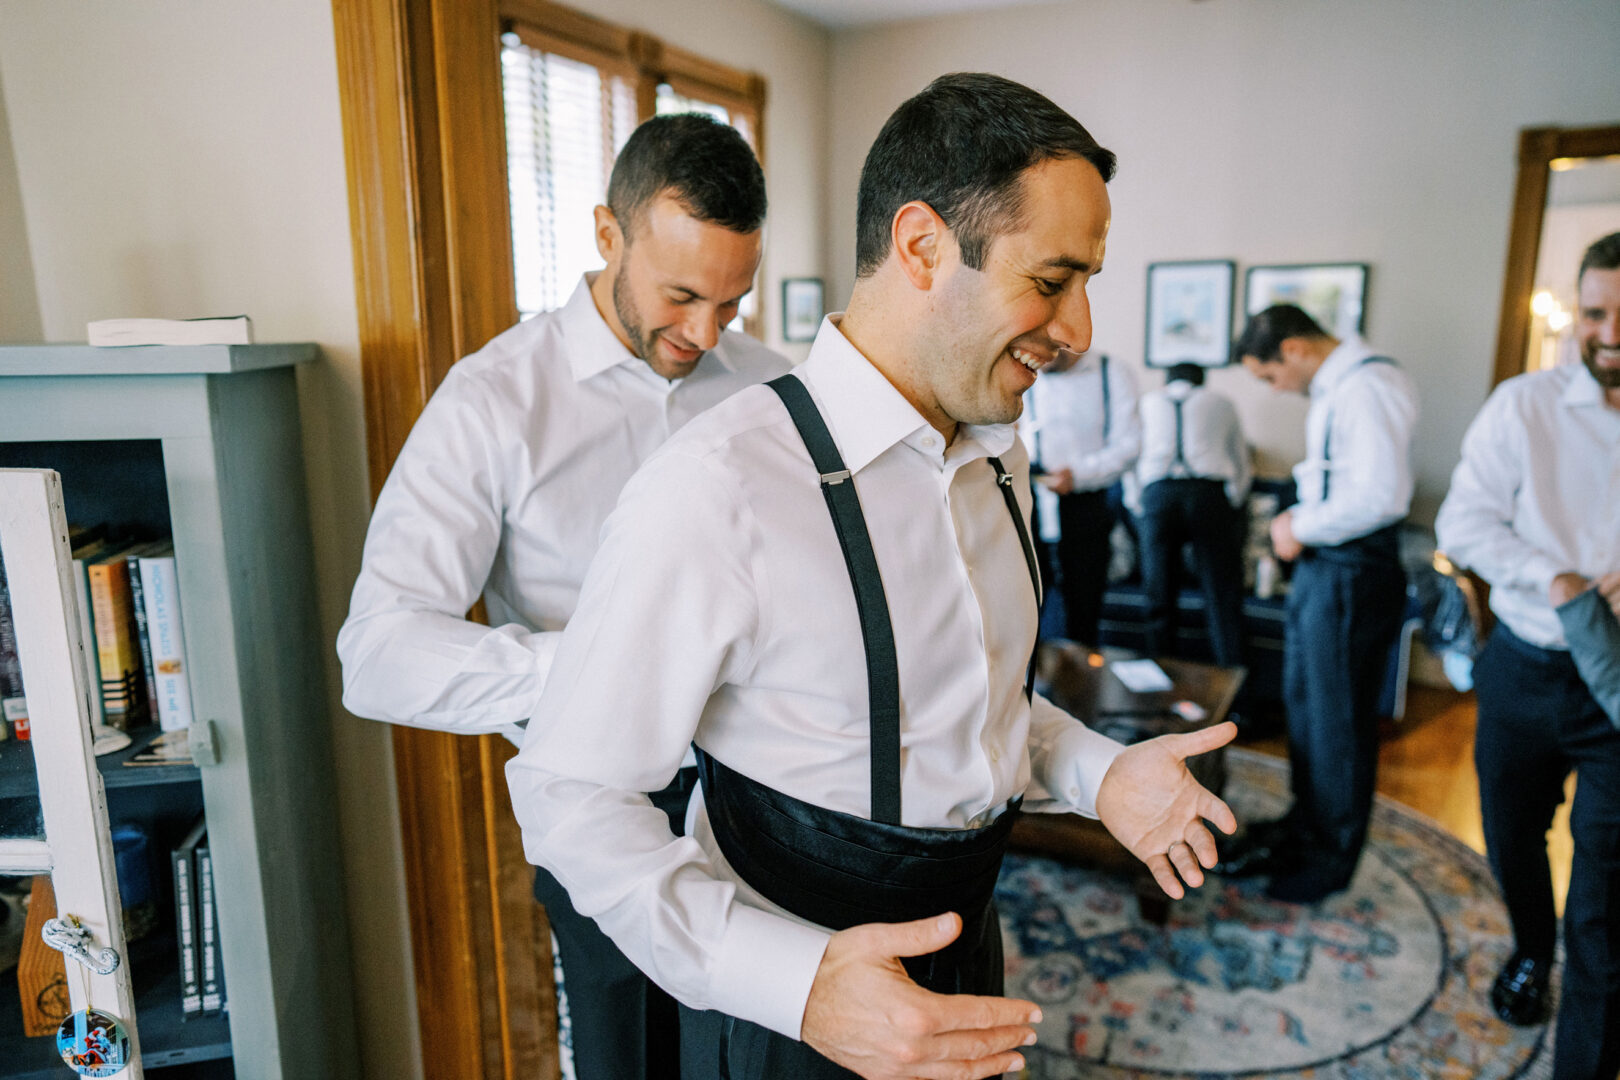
{"points": [[1534, 509], [1349, 592], [502, 487], [827, 585]]}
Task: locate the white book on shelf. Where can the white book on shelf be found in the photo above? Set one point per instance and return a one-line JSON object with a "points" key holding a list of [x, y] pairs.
{"points": [[221, 330], [161, 594]]}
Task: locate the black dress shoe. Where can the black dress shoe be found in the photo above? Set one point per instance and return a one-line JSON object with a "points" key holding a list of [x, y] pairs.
{"points": [[1519, 994], [1265, 847], [1307, 884]]}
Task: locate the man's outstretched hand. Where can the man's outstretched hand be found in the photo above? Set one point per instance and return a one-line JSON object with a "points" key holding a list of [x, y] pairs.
{"points": [[1152, 805], [866, 1014]]}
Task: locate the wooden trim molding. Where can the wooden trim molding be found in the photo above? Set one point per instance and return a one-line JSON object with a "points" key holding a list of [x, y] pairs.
{"points": [[1538, 149], [424, 143], [424, 146]]}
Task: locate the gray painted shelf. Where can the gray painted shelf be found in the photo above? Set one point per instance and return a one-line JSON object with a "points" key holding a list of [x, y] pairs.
{"points": [[213, 431]]}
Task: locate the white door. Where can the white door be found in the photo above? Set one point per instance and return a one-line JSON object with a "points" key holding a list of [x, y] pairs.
{"points": [[68, 835]]}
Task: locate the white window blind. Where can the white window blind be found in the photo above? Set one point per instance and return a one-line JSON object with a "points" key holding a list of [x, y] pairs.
{"points": [[565, 122]]}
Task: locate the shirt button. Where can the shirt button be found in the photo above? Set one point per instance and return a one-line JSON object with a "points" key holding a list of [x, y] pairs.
{"points": [[995, 755], [930, 442]]}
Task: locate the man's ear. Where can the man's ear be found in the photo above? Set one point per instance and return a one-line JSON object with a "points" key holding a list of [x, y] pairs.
{"points": [[921, 241], [610, 241]]}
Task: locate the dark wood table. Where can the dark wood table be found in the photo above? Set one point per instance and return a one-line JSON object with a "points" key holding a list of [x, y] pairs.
{"points": [[1078, 680]]}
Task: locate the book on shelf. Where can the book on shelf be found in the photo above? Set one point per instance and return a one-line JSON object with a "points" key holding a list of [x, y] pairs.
{"points": [[138, 605], [187, 932], [118, 651], [13, 704], [160, 587], [82, 554], [216, 330], [208, 959]]}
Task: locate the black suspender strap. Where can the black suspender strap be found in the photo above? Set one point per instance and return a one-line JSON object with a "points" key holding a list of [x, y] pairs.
{"points": [[1327, 434], [877, 632], [1108, 419], [1181, 455], [1004, 480], [882, 665]]}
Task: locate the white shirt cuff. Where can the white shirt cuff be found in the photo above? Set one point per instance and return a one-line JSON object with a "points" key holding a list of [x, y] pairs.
{"points": [[1091, 753], [764, 969]]}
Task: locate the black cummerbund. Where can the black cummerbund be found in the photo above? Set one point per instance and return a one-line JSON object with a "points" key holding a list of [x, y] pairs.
{"points": [[839, 870], [1381, 547]]}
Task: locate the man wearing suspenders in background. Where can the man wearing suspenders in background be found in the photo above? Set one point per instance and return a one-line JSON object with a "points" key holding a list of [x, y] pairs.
{"points": [[1348, 596], [827, 586], [1085, 436], [1192, 478]]}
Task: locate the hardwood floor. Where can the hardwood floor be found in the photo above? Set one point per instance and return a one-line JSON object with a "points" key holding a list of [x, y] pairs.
{"points": [[1427, 763]]}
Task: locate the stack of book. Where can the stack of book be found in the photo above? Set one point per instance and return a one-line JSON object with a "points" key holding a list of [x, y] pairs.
{"points": [[196, 919], [13, 705], [129, 613]]}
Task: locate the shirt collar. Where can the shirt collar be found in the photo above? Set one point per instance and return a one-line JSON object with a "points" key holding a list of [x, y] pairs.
{"points": [[1581, 389], [594, 348], [1351, 351], [864, 411]]}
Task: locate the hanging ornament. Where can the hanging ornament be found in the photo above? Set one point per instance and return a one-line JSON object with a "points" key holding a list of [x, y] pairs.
{"points": [[93, 1043]]}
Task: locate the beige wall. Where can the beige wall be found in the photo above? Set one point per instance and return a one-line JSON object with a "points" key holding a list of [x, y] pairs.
{"points": [[19, 308], [181, 158], [177, 158], [1264, 131]]}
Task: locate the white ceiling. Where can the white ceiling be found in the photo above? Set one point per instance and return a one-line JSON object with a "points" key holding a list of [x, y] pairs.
{"points": [[843, 13]]}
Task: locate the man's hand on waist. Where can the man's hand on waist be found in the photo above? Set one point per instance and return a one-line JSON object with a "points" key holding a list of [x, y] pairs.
{"points": [[1567, 586], [866, 1014]]}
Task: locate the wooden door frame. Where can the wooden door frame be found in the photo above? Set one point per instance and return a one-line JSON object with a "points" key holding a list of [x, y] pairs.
{"points": [[424, 142], [1538, 149]]}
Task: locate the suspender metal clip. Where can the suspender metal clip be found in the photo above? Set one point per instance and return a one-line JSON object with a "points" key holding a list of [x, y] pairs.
{"points": [[1004, 479], [831, 478]]}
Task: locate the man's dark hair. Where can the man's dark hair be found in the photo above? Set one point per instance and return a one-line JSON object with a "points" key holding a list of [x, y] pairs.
{"points": [[962, 146], [1187, 373], [1262, 338], [706, 165], [1602, 255]]}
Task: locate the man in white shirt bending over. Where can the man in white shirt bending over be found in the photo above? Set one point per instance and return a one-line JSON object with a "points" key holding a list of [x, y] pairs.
{"points": [[827, 585], [1192, 478], [1534, 509], [1349, 592], [502, 487]]}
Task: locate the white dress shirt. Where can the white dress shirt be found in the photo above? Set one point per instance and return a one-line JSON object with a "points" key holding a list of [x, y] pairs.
{"points": [[1372, 410], [500, 491], [1212, 445], [720, 609], [1064, 427], [1536, 494]]}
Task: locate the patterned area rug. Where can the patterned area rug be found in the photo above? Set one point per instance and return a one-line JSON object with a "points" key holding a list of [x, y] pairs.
{"points": [[1386, 980]]}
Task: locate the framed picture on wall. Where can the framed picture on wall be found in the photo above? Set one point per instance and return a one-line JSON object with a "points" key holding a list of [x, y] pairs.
{"points": [[1334, 294], [801, 308], [1189, 313]]}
